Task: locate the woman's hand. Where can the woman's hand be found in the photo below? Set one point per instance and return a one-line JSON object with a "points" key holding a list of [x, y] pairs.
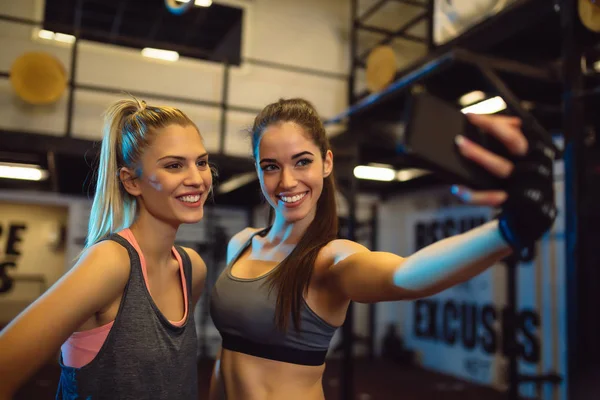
{"points": [[508, 131], [527, 201]]}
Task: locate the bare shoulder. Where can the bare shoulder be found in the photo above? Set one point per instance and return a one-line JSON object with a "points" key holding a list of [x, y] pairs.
{"points": [[335, 251], [106, 266], [238, 240], [107, 258], [340, 249], [198, 264]]}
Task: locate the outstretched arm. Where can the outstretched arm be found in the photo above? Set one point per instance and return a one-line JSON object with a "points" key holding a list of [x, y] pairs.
{"points": [[365, 276], [527, 212]]}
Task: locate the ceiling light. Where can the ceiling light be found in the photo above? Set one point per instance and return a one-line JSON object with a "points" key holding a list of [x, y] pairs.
{"points": [[44, 34], [198, 3], [489, 106], [26, 172], [160, 54], [59, 37], [597, 66], [63, 37], [379, 165], [411, 173], [374, 173], [471, 97]]}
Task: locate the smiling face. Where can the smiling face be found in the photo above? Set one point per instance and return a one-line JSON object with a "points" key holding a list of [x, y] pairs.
{"points": [[291, 170], [173, 179]]}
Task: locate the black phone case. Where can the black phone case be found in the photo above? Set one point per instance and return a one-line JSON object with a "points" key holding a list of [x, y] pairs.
{"points": [[432, 126]]}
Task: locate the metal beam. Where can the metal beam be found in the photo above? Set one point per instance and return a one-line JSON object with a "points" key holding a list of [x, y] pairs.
{"points": [[381, 31], [224, 107], [397, 33], [514, 103], [73, 71], [347, 372], [573, 126], [433, 63], [186, 100], [353, 51], [412, 3], [414, 74], [24, 142], [430, 7], [507, 65], [294, 68], [370, 11], [41, 143]]}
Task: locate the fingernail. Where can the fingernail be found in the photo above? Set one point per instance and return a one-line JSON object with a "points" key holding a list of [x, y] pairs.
{"points": [[459, 140], [464, 195]]}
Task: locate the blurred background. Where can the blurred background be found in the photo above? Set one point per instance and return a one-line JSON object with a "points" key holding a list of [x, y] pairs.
{"points": [[526, 330]]}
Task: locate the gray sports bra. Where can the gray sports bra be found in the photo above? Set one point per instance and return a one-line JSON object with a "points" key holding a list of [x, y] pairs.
{"points": [[243, 311]]}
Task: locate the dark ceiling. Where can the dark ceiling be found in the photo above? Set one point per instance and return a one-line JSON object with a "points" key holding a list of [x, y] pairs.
{"points": [[209, 33]]}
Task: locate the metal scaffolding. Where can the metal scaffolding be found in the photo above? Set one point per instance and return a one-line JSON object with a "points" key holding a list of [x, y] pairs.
{"points": [[566, 74]]}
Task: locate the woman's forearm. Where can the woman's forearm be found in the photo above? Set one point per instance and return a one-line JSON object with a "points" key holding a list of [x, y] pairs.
{"points": [[452, 260]]}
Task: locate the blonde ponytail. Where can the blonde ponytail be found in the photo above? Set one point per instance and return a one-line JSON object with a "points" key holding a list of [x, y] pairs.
{"points": [[127, 128]]}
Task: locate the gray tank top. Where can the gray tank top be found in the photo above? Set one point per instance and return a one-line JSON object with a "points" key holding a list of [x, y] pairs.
{"points": [[243, 311], [144, 355]]}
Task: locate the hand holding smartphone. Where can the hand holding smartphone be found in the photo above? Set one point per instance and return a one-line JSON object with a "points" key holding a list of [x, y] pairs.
{"points": [[431, 131]]}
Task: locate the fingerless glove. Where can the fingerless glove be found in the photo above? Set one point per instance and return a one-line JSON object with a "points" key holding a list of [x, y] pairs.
{"points": [[530, 209]]}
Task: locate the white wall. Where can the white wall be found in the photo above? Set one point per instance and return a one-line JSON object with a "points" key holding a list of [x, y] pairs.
{"points": [[31, 253], [302, 34], [311, 34], [43, 214]]}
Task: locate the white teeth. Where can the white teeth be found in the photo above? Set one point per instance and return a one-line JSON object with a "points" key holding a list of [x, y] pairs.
{"points": [[190, 198], [292, 199]]}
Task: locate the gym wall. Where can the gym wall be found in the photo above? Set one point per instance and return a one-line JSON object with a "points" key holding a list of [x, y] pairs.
{"points": [[459, 331], [273, 30], [32, 251]]}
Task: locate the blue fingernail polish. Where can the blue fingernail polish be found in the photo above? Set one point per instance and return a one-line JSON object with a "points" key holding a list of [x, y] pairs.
{"points": [[454, 189]]}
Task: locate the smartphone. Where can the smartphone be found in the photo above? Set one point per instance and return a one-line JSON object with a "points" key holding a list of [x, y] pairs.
{"points": [[431, 128]]}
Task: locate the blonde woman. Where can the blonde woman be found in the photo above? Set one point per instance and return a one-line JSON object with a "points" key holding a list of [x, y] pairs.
{"points": [[122, 317]]}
